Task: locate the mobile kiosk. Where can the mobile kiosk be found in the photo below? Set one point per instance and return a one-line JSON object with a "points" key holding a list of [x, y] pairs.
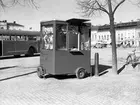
{"points": [[65, 48]]}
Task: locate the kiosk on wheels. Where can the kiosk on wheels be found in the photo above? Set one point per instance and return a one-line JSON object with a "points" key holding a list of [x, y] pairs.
{"points": [[65, 48]]}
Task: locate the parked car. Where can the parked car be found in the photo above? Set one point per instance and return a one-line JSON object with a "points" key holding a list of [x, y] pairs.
{"points": [[100, 45]]}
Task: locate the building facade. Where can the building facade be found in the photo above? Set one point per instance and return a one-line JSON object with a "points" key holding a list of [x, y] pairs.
{"points": [[126, 33], [10, 26]]}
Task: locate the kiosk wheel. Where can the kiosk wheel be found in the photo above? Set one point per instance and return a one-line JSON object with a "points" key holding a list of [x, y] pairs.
{"points": [[80, 73], [40, 72]]}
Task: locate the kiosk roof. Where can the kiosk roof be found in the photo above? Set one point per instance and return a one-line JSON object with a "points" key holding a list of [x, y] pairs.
{"points": [[75, 21]]}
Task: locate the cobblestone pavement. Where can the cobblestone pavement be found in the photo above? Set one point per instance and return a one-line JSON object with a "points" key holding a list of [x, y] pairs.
{"points": [[19, 85], [31, 90]]}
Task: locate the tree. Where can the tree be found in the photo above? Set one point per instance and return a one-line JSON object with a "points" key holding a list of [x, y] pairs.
{"points": [[92, 7], [11, 3]]}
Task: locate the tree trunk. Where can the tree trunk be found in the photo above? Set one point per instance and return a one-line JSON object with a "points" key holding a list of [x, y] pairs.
{"points": [[114, 51], [113, 38]]}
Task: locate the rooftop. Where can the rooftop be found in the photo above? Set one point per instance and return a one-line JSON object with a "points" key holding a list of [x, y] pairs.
{"points": [[118, 25], [15, 24], [11, 23]]}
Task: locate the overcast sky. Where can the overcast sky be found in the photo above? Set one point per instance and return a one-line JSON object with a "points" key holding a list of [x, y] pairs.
{"points": [[62, 10]]}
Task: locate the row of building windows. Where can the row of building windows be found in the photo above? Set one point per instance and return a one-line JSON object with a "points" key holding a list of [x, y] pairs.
{"points": [[101, 37], [19, 37], [108, 37]]}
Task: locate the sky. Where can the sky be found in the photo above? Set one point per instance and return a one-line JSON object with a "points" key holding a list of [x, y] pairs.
{"points": [[63, 10]]}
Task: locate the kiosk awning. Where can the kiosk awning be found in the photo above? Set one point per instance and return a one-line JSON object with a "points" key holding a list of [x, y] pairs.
{"points": [[75, 21]]}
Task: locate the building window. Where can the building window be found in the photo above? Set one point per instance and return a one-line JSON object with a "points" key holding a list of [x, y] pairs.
{"points": [[105, 37], [139, 34], [102, 37], [95, 36], [121, 35], [118, 35], [118, 38], [133, 36], [132, 42]]}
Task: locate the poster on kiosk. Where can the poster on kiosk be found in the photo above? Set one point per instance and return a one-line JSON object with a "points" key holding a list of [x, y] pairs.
{"points": [[65, 48]]}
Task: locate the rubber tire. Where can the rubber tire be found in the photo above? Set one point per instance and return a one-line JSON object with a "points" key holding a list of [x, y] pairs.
{"points": [[40, 72], [129, 60], [80, 73], [30, 52]]}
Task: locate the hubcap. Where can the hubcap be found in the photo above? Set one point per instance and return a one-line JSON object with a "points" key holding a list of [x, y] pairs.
{"points": [[81, 74]]}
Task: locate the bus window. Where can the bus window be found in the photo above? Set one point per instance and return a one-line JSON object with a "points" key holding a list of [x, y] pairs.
{"points": [[61, 30], [18, 38], [22, 38], [32, 37], [38, 38], [6, 37], [13, 38], [26, 38], [47, 32]]}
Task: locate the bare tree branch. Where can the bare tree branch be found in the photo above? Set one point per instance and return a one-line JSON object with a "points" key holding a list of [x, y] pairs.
{"points": [[91, 7], [118, 5], [11, 3], [2, 4], [102, 8]]}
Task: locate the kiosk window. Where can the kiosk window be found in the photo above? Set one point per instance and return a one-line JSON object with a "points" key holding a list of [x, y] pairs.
{"points": [[85, 38], [47, 32], [73, 37], [61, 30], [78, 38]]}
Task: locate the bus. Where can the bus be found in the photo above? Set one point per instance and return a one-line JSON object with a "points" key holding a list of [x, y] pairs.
{"points": [[18, 42]]}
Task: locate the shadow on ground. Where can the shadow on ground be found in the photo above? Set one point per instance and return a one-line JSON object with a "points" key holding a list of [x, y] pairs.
{"points": [[60, 77], [15, 57], [134, 65], [3, 68], [12, 77], [121, 69], [102, 71]]}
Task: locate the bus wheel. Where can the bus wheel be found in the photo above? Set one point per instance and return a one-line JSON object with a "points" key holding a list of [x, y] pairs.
{"points": [[40, 72], [30, 52], [80, 73]]}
